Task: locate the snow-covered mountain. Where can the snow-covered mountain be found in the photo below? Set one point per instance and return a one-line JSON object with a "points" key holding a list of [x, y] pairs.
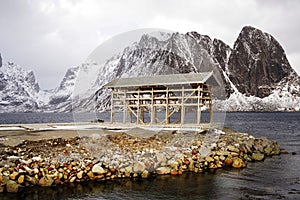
{"points": [[256, 73], [19, 90]]}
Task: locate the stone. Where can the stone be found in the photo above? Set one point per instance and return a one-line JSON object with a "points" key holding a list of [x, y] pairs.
{"points": [[174, 172], [209, 159], [163, 170], [36, 158], [228, 161], [12, 186], [91, 175], [247, 158], [212, 166], [139, 167], [233, 149], [21, 179], [45, 182], [79, 175], [13, 175], [1, 188], [145, 174], [268, 150], [173, 164], [258, 156], [161, 158], [219, 164], [31, 180], [72, 179], [222, 158], [97, 169], [128, 169], [238, 163]]}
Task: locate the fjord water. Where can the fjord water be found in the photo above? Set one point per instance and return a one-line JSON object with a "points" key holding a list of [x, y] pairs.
{"points": [[274, 178]]}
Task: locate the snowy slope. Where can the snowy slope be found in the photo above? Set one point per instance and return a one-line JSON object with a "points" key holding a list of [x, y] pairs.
{"points": [[256, 73], [19, 90]]}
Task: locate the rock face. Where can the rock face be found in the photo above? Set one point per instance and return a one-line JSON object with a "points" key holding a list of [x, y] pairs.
{"points": [[256, 73], [61, 97], [257, 63], [19, 90], [0, 60]]}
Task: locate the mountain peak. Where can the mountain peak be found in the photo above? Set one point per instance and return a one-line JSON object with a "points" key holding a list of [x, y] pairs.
{"points": [[257, 63]]}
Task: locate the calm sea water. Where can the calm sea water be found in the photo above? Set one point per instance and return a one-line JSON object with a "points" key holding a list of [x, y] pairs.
{"points": [[275, 178]]}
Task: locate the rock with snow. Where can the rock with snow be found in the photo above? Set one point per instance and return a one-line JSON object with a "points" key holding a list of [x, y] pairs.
{"points": [[256, 74], [19, 90], [0, 60]]}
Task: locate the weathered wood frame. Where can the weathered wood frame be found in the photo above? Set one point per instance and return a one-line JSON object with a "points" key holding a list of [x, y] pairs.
{"points": [[136, 101]]}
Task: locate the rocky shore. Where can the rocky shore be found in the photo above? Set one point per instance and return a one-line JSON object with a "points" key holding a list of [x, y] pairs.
{"points": [[118, 155]]}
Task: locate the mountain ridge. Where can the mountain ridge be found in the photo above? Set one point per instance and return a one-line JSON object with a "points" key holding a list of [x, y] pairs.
{"points": [[256, 73]]}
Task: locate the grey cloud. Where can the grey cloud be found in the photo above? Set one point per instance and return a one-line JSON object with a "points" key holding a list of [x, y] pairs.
{"points": [[49, 43]]}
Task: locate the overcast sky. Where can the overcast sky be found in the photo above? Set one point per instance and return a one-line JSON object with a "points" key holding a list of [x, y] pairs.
{"points": [[49, 36]]}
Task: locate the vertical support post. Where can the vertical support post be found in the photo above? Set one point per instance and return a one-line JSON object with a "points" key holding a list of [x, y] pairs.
{"points": [[182, 107], [167, 106], [152, 107], [210, 106], [143, 113], [138, 108], [130, 115], [124, 106], [198, 106], [112, 107]]}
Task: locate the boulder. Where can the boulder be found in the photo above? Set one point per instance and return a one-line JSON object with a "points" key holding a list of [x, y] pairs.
{"points": [[163, 170], [45, 182], [21, 179], [13, 175], [238, 163], [79, 175], [233, 149], [258, 156], [228, 161], [145, 174], [98, 169], [12, 186], [139, 167]]}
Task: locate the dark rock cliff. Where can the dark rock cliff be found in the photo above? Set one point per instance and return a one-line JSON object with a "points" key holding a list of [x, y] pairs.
{"points": [[257, 63]]}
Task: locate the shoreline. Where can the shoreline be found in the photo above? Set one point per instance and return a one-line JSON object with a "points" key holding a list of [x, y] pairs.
{"points": [[111, 155]]}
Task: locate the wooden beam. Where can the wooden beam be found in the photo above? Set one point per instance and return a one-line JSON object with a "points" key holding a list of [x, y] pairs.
{"points": [[182, 116], [198, 106], [112, 107], [124, 107], [167, 107], [152, 121], [138, 107]]}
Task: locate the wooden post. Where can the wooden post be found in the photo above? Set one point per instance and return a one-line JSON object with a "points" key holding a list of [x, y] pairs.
{"points": [[112, 107], [142, 113], [210, 105], [138, 108], [210, 113], [152, 108], [198, 106], [167, 107], [124, 107], [182, 115]]}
